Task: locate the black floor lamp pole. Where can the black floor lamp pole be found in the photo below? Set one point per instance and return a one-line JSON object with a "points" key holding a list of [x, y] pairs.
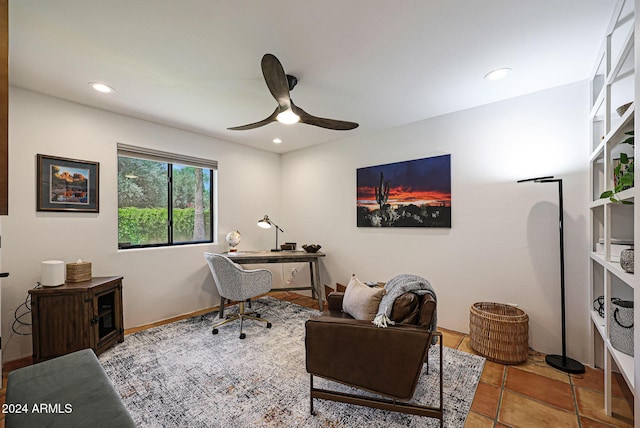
{"points": [[560, 362]]}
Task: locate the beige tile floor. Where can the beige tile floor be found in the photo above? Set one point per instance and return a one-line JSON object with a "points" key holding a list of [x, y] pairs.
{"points": [[528, 395]]}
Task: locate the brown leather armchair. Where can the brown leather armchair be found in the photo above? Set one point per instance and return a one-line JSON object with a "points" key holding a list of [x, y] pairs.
{"points": [[386, 361]]}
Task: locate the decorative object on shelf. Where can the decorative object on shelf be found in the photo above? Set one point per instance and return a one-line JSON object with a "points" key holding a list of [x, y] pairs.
{"points": [[560, 362], [623, 108], [266, 223], [626, 260], [615, 248], [52, 273], [499, 332], [312, 248], [288, 246], [598, 305], [233, 239], [79, 271], [414, 193], [622, 173], [621, 325], [67, 184]]}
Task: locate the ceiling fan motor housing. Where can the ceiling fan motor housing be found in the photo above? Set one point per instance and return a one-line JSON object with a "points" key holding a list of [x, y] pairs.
{"points": [[292, 80]]}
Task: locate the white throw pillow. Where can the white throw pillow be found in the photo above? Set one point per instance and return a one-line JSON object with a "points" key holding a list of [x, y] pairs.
{"points": [[361, 301]]}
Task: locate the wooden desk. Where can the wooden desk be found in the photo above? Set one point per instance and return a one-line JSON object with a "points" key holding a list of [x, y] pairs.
{"points": [[260, 257]]}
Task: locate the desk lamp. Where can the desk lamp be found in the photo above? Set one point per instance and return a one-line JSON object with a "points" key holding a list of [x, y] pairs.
{"points": [[560, 362], [266, 223]]}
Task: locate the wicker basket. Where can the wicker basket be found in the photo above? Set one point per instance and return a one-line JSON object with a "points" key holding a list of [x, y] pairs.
{"points": [[78, 272], [499, 332]]}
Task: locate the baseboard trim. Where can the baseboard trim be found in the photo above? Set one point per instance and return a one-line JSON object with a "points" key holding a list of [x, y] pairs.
{"points": [[17, 364], [170, 320]]}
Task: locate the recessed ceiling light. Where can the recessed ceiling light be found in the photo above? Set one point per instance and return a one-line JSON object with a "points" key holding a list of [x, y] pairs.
{"points": [[277, 140], [101, 87], [498, 74]]}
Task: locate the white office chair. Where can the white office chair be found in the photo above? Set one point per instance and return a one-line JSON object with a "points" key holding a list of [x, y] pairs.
{"points": [[237, 284]]}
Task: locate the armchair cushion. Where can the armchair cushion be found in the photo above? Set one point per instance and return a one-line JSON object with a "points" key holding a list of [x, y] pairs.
{"points": [[361, 301]]}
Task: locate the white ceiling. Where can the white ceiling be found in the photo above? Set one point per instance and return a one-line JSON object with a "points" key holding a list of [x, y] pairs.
{"points": [[195, 64]]}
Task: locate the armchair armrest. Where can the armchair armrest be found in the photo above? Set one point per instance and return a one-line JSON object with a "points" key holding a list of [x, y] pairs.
{"points": [[334, 300], [386, 361]]}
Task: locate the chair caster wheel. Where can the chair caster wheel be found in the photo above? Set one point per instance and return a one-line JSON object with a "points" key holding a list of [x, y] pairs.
{"points": [[268, 325], [214, 331], [257, 315], [242, 335]]}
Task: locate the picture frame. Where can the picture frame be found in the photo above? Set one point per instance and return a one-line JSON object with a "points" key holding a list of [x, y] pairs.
{"points": [[67, 184], [413, 193]]}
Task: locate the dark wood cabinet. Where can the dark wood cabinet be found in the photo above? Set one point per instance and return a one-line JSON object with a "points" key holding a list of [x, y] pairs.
{"points": [[76, 316]]}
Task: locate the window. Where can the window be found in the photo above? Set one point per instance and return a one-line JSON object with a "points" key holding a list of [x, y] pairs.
{"points": [[164, 199]]}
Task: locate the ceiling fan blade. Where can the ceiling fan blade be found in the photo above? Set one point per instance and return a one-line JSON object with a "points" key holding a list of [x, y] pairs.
{"points": [[276, 80], [338, 125], [263, 122]]}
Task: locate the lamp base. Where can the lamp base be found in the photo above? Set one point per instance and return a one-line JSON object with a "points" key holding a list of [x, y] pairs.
{"points": [[565, 364], [275, 249]]}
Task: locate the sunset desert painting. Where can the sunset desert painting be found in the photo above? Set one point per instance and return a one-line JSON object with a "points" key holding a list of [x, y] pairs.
{"points": [[414, 193], [69, 185]]}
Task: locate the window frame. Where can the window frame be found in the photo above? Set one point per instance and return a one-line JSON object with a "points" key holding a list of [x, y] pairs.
{"points": [[171, 160]]}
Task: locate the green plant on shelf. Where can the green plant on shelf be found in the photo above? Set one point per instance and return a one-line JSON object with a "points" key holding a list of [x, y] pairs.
{"points": [[622, 174]]}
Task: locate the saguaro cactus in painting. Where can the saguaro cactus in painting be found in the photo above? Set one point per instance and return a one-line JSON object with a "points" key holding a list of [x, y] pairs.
{"points": [[382, 191]]}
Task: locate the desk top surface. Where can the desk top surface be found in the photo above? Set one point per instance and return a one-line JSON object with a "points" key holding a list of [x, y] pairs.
{"points": [[272, 256]]}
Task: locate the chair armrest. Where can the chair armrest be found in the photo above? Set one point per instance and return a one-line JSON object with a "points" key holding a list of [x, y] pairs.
{"points": [[334, 300], [387, 361]]}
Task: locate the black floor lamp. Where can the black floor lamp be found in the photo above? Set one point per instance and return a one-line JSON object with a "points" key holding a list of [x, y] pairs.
{"points": [[560, 362]]}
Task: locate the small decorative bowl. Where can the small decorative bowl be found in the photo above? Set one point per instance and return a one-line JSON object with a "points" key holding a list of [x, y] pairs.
{"points": [[623, 108], [312, 248]]}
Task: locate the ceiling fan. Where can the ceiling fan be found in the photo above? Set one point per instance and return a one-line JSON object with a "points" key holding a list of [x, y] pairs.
{"points": [[287, 112]]}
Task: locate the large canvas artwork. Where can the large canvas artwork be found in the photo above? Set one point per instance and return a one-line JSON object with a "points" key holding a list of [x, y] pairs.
{"points": [[415, 193]]}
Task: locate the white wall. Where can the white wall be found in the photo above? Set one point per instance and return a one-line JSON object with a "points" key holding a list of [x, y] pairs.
{"points": [[503, 245], [158, 283]]}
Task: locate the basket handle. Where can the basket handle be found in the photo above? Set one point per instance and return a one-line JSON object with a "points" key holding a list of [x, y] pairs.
{"points": [[615, 316]]}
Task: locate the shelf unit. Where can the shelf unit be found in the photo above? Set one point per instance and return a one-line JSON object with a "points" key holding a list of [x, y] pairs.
{"points": [[612, 85]]}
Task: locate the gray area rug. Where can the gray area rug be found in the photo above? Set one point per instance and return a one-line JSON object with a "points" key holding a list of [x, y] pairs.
{"points": [[181, 375]]}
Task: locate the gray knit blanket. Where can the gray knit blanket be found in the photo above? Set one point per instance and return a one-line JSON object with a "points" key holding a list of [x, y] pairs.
{"points": [[395, 288]]}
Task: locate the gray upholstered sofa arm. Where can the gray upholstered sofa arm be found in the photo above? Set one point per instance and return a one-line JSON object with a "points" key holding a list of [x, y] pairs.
{"points": [[68, 391]]}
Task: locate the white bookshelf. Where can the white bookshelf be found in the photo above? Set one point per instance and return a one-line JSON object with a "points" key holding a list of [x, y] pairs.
{"points": [[613, 84]]}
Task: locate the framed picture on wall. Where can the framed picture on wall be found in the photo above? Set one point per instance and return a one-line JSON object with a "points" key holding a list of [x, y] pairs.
{"points": [[414, 193], [67, 184]]}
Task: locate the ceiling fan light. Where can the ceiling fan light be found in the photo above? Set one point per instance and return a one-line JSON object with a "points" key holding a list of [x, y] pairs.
{"points": [[287, 117]]}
